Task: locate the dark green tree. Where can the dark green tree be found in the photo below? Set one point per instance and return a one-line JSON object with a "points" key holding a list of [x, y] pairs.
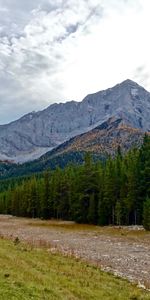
{"points": [[146, 214]]}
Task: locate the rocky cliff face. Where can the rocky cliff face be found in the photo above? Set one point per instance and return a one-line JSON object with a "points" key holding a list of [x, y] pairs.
{"points": [[36, 133]]}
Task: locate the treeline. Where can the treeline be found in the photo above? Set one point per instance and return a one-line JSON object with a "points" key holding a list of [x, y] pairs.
{"points": [[116, 191]]}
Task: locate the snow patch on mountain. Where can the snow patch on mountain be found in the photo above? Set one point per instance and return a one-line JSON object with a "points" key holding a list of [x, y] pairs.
{"points": [[134, 92]]}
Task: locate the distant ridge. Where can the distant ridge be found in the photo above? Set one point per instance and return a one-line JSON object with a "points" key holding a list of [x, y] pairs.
{"points": [[104, 139]]}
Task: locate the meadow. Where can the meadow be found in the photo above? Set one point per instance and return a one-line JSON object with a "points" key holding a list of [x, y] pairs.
{"points": [[35, 273]]}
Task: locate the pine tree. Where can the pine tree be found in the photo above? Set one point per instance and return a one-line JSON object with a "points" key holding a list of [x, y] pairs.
{"points": [[88, 191], [109, 198], [45, 201], [144, 159], [146, 214]]}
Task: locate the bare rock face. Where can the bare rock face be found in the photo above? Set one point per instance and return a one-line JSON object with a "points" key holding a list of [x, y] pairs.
{"points": [[36, 133]]}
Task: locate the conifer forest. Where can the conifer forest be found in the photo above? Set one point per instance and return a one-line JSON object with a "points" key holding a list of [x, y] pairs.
{"points": [[111, 192]]}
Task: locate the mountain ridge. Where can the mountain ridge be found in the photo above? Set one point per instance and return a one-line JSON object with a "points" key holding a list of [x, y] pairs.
{"points": [[103, 139], [38, 132]]}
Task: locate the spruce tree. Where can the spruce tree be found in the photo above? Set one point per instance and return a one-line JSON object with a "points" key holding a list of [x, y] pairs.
{"points": [[146, 214]]}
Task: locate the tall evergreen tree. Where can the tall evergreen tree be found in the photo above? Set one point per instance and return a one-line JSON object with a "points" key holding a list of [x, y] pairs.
{"points": [[146, 214]]}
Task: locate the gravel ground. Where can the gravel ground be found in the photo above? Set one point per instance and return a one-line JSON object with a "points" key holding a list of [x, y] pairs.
{"points": [[126, 255]]}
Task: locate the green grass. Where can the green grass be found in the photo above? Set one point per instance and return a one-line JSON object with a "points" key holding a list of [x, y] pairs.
{"points": [[27, 273]]}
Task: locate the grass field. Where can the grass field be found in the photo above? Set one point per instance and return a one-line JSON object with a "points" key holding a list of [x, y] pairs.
{"points": [[30, 273]]}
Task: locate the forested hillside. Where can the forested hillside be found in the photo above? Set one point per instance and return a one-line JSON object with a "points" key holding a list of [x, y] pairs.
{"points": [[116, 191]]}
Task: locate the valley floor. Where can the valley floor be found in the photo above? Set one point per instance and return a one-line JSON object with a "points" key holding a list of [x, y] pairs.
{"points": [[124, 251]]}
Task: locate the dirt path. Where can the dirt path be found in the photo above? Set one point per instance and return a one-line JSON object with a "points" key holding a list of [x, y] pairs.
{"points": [[125, 252]]}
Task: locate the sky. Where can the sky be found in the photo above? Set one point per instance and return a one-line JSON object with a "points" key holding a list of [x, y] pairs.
{"points": [[62, 50]]}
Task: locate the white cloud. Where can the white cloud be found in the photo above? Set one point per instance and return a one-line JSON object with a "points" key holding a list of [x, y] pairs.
{"points": [[62, 51]]}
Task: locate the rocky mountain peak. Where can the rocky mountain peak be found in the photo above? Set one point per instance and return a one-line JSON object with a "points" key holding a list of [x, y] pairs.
{"points": [[129, 82], [38, 132]]}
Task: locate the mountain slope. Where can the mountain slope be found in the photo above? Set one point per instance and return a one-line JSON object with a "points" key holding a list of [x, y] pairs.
{"points": [[104, 139], [101, 141], [36, 133]]}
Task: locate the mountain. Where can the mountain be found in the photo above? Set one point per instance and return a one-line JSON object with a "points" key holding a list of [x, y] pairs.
{"points": [[105, 139], [102, 141], [38, 132]]}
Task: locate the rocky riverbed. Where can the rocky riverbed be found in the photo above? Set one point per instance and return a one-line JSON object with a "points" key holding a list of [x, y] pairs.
{"points": [[124, 251]]}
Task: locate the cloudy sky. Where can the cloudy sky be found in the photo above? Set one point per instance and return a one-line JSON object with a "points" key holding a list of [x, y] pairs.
{"points": [[56, 51]]}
